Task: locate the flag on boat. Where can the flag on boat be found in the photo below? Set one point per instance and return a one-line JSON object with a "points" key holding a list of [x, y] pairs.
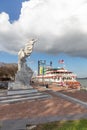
{"points": [[61, 61]]}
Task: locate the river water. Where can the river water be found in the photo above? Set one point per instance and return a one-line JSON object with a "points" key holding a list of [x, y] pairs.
{"points": [[83, 82]]}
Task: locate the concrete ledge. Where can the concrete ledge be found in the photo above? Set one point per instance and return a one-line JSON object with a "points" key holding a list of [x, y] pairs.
{"points": [[20, 91]]}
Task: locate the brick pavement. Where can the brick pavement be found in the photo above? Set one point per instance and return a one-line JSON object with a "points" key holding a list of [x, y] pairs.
{"points": [[41, 109], [81, 95], [75, 93]]}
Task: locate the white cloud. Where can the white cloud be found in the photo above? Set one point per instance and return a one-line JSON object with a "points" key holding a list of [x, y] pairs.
{"points": [[59, 25]]}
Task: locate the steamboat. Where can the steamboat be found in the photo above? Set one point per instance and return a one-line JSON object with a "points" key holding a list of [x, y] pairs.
{"points": [[58, 76]]}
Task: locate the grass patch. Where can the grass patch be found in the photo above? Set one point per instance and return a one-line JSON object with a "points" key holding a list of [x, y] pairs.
{"points": [[64, 125]]}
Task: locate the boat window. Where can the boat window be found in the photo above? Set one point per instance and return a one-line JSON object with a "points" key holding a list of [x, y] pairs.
{"points": [[69, 78]]}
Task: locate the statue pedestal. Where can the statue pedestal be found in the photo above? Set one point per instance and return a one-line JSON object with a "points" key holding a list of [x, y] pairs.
{"points": [[21, 91], [22, 82]]}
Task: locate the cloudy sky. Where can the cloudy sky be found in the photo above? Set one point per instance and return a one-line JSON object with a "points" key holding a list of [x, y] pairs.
{"points": [[59, 25]]}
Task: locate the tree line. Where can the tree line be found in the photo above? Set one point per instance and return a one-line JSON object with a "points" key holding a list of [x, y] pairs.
{"points": [[8, 71]]}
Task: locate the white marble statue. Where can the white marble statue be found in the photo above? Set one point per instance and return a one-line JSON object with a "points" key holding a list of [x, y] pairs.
{"points": [[24, 53]]}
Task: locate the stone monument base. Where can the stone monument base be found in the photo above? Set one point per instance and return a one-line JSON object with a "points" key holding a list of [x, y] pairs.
{"points": [[21, 85], [19, 88], [21, 91], [18, 85]]}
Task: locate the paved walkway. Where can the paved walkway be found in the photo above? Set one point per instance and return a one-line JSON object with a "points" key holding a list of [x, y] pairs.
{"points": [[20, 124], [84, 104]]}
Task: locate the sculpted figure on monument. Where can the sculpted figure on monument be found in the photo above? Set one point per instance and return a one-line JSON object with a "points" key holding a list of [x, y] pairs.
{"points": [[24, 73], [24, 53]]}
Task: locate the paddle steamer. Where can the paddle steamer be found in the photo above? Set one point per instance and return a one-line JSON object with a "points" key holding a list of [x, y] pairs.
{"points": [[58, 76]]}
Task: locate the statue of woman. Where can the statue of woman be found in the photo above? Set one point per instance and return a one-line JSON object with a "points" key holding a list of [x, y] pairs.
{"points": [[24, 53]]}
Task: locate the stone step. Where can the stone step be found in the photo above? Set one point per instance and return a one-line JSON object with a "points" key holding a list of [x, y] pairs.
{"points": [[24, 98], [20, 96], [21, 91], [17, 95]]}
